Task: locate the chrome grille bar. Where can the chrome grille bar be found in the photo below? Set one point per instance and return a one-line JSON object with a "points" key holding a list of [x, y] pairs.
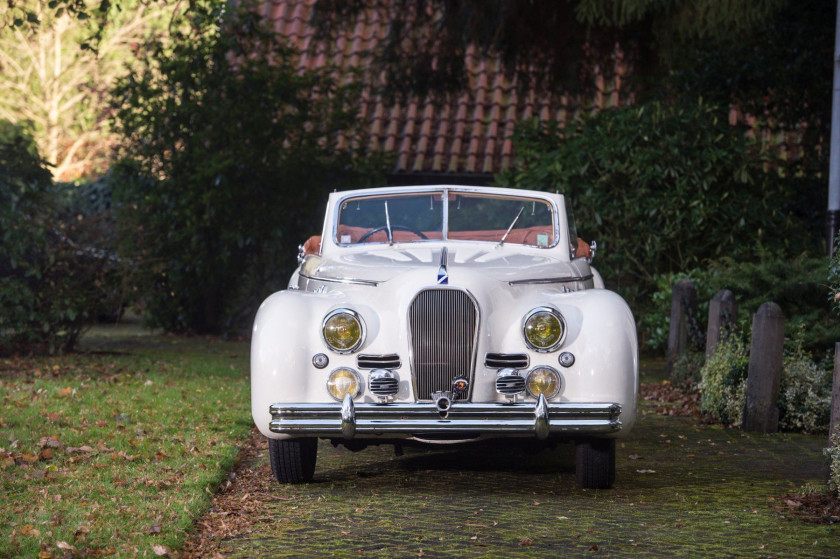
{"points": [[443, 325]]}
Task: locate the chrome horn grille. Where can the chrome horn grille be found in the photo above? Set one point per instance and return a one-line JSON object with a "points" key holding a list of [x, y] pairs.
{"points": [[443, 326]]}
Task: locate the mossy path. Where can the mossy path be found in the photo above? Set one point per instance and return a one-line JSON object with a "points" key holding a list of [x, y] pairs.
{"points": [[683, 489]]}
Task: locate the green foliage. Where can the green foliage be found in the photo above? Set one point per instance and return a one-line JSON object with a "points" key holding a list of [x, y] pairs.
{"points": [[53, 278], [796, 284], [657, 320], [663, 188], [834, 276], [833, 454], [229, 154], [686, 372], [723, 381], [804, 388], [804, 394]]}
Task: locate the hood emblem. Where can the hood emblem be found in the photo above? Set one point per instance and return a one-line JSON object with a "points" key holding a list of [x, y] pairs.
{"points": [[443, 273]]}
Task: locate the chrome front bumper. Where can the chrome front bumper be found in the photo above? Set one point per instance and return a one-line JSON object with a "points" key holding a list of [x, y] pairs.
{"points": [[349, 419]]}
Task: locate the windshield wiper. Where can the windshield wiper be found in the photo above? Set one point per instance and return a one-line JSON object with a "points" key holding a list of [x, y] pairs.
{"points": [[515, 219], [388, 225]]}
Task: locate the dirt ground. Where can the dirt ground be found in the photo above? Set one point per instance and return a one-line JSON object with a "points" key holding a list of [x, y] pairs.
{"points": [[683, 488]]}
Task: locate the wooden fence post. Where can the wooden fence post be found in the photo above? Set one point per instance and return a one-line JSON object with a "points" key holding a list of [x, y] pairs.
{"points": [[761, 411], [683, 298], [835, 392], [723, 313]]}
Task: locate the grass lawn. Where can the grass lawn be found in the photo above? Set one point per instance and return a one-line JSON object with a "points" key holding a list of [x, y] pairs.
{"points": [[116, 450]]}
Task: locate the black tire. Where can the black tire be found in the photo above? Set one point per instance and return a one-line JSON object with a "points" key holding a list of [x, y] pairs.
{"points": [[595, 463], [293, 460]]}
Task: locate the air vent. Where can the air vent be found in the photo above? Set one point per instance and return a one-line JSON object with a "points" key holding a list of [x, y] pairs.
{"points": [[384, 383], [389, 361], [509, 383], [506, 361]]}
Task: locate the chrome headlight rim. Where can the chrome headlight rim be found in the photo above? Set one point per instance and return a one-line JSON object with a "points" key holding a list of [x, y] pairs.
{"points": [[362, 330], [358, 378], [556, 314], [554, 393]]}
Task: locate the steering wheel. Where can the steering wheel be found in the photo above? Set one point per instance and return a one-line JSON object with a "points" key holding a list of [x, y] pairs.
{"points": [[375, 230]]}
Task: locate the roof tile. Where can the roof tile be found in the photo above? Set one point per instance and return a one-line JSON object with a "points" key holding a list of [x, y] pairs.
{"points": [[466, 133]]}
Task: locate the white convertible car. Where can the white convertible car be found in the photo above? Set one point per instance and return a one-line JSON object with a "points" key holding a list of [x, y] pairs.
{"points": [[444, 314]]}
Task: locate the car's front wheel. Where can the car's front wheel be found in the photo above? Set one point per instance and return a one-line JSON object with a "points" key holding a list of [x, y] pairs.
{"points": [[595, 463], [293, 460]]}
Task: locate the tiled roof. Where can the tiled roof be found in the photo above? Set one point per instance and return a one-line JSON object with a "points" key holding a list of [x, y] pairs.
{"points": [[469, 134]]}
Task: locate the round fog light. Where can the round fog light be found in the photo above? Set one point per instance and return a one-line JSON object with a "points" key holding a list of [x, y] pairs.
{"points": [[545, 381], [342, 382]]}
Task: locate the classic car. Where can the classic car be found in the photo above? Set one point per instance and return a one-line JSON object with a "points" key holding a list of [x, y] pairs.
{"points": [[444, 314]]}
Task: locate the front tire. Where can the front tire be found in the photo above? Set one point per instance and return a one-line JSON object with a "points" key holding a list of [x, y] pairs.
{"points": [[293, 460], [595, 463]]}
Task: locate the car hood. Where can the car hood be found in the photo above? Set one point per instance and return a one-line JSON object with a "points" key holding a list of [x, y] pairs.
{"points": [[380, 266]]}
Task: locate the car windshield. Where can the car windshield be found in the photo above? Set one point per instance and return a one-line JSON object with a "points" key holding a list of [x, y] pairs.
{"points": [[468, 216]]}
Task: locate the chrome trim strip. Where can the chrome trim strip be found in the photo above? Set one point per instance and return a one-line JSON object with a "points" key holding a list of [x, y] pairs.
{"points": [[341, 280], [540, 420], [551, 280]]}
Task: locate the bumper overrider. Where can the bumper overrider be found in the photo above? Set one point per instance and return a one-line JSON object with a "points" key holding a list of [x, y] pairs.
{"points": [[349, 419]]}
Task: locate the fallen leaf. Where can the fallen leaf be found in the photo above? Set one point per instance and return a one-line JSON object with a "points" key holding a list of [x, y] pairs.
{"points": [[49, 442], [593, 548], [526, 542], [29, 530], [65, 392], [161, 550], [46, 454], [154, 529], [65, 546], [101, 423], [53, 417], [646, 471]]}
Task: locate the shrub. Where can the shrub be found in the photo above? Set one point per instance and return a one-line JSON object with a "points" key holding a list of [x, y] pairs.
{"points": [[656, 321], [229, 155], [796, 284], [804, 394], [53, 278], [833, 454], [804, 388], [723, 381], [664, 188]]}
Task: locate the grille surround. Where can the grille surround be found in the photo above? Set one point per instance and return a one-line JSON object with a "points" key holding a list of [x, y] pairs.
{"points": [[443, 335]]}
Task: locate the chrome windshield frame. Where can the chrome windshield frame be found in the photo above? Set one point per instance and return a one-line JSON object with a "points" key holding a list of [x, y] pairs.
{"points": [[444, 192]]}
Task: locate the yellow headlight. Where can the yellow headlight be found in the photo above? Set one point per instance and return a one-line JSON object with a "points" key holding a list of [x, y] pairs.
{"points": [[544, 329], [342, 382], [545, 381], [343, 331]]}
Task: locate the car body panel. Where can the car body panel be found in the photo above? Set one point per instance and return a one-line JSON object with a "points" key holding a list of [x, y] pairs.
{"points": [[380, 279]]}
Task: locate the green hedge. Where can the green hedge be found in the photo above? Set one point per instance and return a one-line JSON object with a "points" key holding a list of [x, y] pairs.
{"points": [[663, 188], [55, 276]]}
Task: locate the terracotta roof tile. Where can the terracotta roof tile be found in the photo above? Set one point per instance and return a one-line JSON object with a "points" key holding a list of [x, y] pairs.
{"points": [[468, 133]]}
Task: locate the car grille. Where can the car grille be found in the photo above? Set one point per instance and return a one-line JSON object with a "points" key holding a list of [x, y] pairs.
{"points": [[443, 329]]}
